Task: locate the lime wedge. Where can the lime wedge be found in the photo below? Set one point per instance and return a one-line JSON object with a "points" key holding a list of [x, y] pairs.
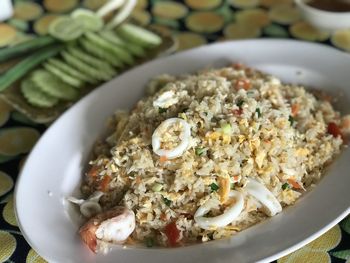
{"points": [[65, 29], [88, 20]]}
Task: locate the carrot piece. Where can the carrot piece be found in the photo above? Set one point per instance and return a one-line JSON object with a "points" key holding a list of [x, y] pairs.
{"points": [[238, 66], [163, 159], [242, 83], [224, 189], [138, 180], [93, 172], [163, 217], [130, 241], [104, 183], [295, 109], [235, 178], [294, 184]]}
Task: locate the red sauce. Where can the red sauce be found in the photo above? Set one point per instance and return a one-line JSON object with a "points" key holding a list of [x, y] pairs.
{"points": [[330, 5]]}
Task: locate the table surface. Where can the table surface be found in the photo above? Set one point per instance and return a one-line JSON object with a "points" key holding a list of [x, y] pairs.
{"points": [[193, 23]]}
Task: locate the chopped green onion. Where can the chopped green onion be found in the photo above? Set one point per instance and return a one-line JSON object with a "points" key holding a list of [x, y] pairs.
{"points": [[199, 151], [226, 128], [232, 185], [149, 242], [167, 201], [240, 102], [258, 112], [161, 110], [291, 120], [157, 187], [250, 92], [285, 186], [214, 187]]}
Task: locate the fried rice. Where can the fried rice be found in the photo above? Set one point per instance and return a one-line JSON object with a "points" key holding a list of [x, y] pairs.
{"points": [[244, 125]]}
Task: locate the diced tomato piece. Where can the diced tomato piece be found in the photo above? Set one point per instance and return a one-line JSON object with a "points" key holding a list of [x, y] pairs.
{"points": [[237, 111], [172, 233], [334, 130], [242, 83], [105, 183]]}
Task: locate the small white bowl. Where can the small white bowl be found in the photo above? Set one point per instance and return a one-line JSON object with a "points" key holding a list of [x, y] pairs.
{"points": [[324, 20], [6, 9]]}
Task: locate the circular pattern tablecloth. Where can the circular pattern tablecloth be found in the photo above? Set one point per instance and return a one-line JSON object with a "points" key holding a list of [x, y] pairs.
{"points": [[193, 23]]}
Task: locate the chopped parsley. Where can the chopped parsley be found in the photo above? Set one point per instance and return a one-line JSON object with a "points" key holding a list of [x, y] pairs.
{"points": [[258, 112], [285, 186], [149, 242], [161, 110], [214, 187], [167, 201], [291, 120], [199, 151], [240, 102]]}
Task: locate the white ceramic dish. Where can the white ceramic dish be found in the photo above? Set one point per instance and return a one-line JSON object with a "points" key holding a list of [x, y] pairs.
{"points": [[54, 168], [324, 20]]}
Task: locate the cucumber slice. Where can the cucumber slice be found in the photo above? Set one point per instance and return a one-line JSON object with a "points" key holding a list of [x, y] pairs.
{"points": [[136, 50], [35, 96], [92, 61], [63, 76], [91, 48], [112, 37], [104, 44], [71, 70], [139, 35], [88, 20], [65, 29], [85, 68], [21, 118], [53, 86]]}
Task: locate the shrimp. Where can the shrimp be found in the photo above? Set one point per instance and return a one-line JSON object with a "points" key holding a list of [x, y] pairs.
{"points": [[112, 226]]}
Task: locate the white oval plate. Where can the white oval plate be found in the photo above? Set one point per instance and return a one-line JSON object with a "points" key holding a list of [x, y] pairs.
{"points": [[54, 167]]}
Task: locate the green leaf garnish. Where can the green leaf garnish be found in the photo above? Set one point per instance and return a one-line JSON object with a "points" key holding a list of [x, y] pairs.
{"points": [[167, 201], [291, 120], [199, 151], [240, 102], [285, 186], [161, 110], [258, 112], [214, 187], [149, 242]]}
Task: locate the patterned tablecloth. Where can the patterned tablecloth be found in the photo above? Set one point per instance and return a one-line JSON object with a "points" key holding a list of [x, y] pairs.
{"points": [[193, 23]]}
